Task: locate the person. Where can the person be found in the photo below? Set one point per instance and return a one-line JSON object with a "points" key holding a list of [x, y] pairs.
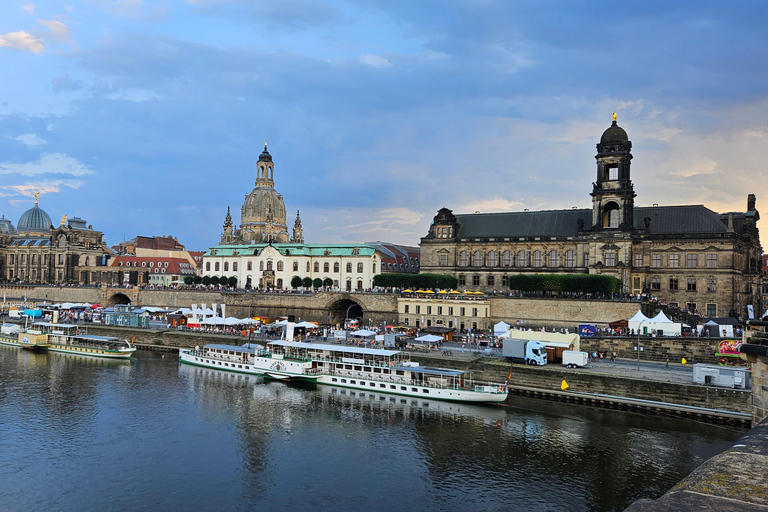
{"points": [[613, 357], [666, 366]]}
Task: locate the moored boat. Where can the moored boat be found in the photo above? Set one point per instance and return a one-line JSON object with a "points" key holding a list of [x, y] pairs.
{"points": [[72, 339], [25, 338], [370, 369]]}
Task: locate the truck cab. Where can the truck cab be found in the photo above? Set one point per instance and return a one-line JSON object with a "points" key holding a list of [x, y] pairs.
{"points": [[535, 353]]}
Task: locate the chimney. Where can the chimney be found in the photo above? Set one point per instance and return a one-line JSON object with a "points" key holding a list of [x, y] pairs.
{"points": [[730, 223], [751, 202]]}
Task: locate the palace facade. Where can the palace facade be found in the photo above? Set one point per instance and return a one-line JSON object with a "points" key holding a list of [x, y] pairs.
{"points": [[689, 255]]}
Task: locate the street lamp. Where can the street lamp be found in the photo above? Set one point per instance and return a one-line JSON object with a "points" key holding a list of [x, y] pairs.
{"points": [[638, 343]]}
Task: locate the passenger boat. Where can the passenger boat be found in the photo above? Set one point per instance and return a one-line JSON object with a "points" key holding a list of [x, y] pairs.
{"points": [[28, 338], [370, 369], [72, 339]]}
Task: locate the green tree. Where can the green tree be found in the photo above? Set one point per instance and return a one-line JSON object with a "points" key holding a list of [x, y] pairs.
{"points": [[317, 283], [188, 280], [295, 282], [328, 282], [206, 280], [232, 281], [215, 280], [306, 283], [197, 280]]}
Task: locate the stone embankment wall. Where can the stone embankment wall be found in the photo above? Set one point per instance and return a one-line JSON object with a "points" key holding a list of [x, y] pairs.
{"points": [[694, 350], [561, 312]]}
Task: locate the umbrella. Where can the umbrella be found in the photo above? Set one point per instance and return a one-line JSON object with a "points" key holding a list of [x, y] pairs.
{"points": [[307, 325], [407, 291], [96, 306], [419, 291], [430, 338], [429, 291], [362, 332], [454, 292]]}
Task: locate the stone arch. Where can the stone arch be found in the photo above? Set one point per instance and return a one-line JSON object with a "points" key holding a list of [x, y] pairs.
{"points": [[337, 310], [119, 298]]}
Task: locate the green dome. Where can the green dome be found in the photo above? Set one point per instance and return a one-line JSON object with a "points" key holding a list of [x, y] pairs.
{"points": [[34, 219]]}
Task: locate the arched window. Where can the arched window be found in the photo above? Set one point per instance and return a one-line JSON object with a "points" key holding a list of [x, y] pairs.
{"points": [[522, 261], [359, 285], [250, 265], [506, 259], [463, 259], [611, 215], [552, 262], [349, 268], [492, 259], [234, 267], [359, 268], [261, 265], [226, 266], [490, 280], [537, 261], [336, 267], [279, 266], [477, 259], [317, 266], [570, 258], [296, 266], [326, 267], [269, 265]]}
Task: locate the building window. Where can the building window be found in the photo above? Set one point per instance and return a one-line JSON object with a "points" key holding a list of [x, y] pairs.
{"points": [[418, 309], [429, 310], [261, 266], [249, 265], [462, 279], [475, 280], [570, 260], [279, 283], [711, 310], [359, 268], [613, 173], [279, 266], [474, 311], [673, 284], [711, 263], [234, 267], [655, 260], [610, 259], [638, 259], [586, 259], [359, 284], [711, 284], [691, 284], [462, 312], [207, 266], [317, 266], [336, 267], [506, 258], [216, 266], [674, 261], [326, 267], [226, 266], [537, 261], [691, 260], [522, 261], [656, 284], [492, 259], [477, 259], [349, 268], [504, 281], [407, 309], [443, 260], [463, 259], [295, 266], [450, 310], [439, 310], [552, 259], [269, 265]]}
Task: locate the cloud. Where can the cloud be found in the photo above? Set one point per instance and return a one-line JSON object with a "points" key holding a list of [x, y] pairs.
{"points": [[282, 15], [29, 8], [30, 140], [49, 163], [63, 83], [374, 61], [43, 187], [58, 30], [22, 41]]}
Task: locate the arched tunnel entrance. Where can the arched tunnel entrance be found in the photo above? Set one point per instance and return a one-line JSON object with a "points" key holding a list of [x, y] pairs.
{"points": [[343, 309], [119, 298]]}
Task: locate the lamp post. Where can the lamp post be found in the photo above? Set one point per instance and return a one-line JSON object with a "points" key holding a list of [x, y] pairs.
{"points": [[346, 324], [638, 343]]}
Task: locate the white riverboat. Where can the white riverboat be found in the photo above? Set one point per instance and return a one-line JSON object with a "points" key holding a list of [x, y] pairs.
{"points": [[370, 369], [31, 339], [72, 339]]}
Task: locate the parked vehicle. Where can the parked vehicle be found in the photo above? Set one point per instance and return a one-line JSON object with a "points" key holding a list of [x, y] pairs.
{"points": [[525, 351], [575, 358]]}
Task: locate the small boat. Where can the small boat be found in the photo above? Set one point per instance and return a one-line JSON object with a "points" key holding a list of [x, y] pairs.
{"points": [[30, 339], [72, 339], [370, 369]]}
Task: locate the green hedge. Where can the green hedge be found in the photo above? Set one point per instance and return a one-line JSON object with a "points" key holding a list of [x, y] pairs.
{"points": [[576, 283], [424, 281]]}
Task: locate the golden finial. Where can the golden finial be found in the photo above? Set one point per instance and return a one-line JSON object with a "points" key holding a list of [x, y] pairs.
{"points": [[265, 143], [36, 194], [64, 220], [614, 117]]}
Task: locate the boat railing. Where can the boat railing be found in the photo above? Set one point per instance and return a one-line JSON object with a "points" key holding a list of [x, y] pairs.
{"points": [[397, 379]]}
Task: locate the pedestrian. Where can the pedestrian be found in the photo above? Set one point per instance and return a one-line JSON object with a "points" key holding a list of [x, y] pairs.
{"points": [[666, 366], [613, 357]]}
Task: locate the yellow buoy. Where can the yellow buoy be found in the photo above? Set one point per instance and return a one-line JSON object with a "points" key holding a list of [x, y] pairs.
{"points": [[564, 385], [684, 361]]}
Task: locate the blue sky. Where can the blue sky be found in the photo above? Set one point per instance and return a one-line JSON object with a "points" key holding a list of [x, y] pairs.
{"points": [[146, 117]]}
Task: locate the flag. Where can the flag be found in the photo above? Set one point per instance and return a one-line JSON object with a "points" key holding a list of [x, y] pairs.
{"points": [[564, 385], [684, 361]]}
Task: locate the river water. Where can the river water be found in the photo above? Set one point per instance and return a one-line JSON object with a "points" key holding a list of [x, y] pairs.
{"points": [[84, 434]]}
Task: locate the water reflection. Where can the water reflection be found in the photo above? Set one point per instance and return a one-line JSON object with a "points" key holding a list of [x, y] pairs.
{"points": [[200, 439]]}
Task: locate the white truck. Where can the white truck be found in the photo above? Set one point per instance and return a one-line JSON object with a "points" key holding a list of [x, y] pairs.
{"points": [[525, 351], [575, 358]]}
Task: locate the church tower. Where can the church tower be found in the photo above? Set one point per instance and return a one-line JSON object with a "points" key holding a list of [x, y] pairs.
{"points": [[263, 211], [613, 194], [298, 235], [228, 236]]}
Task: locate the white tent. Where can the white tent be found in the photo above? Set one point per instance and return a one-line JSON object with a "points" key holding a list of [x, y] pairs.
{"points": [[661, 318], [429, 338], [635, 321], [659, 323], [306, 325], [500, 328], [363, 333]]}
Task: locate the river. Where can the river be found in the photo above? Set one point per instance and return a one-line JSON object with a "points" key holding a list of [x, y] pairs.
{"points": [[83, 434]]}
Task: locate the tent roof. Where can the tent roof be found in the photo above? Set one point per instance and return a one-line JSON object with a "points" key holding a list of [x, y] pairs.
{"points": [[639, 317], [661, 318], [362, 332], [429, 338]]}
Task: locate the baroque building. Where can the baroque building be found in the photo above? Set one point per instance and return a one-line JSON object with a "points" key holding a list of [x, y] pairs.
{"points": [[688, 256], [37, 252], [262, 215]]}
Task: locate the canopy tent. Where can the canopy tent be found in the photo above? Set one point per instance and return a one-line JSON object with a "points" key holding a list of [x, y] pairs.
{"points": [[635, 321], [500, 328], [658, 324], [306, 325], [661, 318], [716, 330], [619, 324], [429, 338], [363, 333]]}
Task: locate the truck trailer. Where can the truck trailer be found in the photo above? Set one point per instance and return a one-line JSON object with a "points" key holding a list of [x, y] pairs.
{"points": [[525, 351], [575, 358]]}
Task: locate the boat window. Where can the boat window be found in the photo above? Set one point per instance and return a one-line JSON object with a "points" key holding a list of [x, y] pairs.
{"points": [[377, 370], [358, 368], [373, 384], [347, 366], [334, 379], [399, 372], [426, 390], [403, 388], [386, 371], [352, 382], [414, 389], [382, 385], [344, 381], [239, 366]]}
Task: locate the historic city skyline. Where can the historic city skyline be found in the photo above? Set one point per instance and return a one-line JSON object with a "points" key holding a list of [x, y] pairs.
{"points": [[148, 117]]}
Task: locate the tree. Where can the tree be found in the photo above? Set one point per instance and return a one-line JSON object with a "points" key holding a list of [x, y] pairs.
{"points": [[328, 282], [188, 280], [306, 283], [215, 280], [295, 282], [206, 280], [407, 280], [317, 283], [197, 280], [232, 281]]}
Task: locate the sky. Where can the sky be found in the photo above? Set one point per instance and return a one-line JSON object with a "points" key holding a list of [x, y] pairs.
{"points": [[147, 117]]}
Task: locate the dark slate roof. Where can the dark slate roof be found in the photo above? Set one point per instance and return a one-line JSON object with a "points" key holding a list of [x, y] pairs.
{"points": [[548, 223]]}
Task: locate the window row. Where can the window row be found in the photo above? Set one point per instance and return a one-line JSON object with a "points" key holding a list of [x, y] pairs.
{"points": [[674, 260], [280, 267], [439, 310], [691, 284], [35, 259], [535, 258]]}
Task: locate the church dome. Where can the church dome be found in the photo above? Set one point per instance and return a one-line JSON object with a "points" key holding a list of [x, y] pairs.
{"points": [[34, 219], [6, 227], [261, 202], [265, 156], [614, 134]]}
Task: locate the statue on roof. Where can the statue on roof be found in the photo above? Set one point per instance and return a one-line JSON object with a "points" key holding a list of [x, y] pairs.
{"points": [[36, 194], [64, 220], [614, 117]]}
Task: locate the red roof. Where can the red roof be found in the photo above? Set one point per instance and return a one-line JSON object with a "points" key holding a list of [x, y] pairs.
{"points": [[155, 265]]}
